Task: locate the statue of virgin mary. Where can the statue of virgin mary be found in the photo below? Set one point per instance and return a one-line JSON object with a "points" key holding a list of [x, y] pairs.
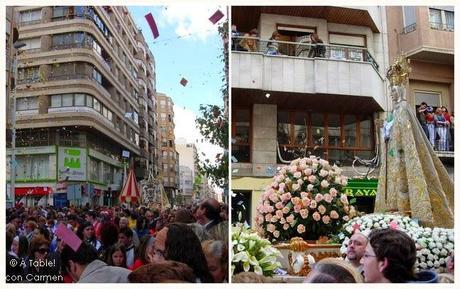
{"points": [[412, 178]]}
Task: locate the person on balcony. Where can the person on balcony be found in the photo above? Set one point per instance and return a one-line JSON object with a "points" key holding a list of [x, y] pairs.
{"points": [[319, 50], [421, 115], [429, 120], [249, 42], [447, 116], [303, 48], [441, 128], [272, 44], [235, 39]]}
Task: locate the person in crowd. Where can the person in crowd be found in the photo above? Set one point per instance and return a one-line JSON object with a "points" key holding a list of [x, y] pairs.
{"points": [[124, 223], [448, 119], [185, 216], [333, 270], [177, 242], [109, 237], [150, 220], [91, 216], [141, 226], [441, 128], [272, 44], [224, 211], [421, 116], [452, 131], [390, 257], [84, 267], [429, 123], [87, 234], [125, 238], [144, 253], [448, 276], [216, 252], [303, 48], [38, 252], [12, 258], [29, 229], [163, 272], [249, 41], [319, 49], [251, 277], [355, 250], [116, 256], [208, 213]]}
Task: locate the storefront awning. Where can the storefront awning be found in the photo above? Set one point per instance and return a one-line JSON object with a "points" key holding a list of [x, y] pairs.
{"points": [[33, 191]]}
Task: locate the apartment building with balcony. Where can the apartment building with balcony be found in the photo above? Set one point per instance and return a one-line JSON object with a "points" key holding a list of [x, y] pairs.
{"points": [[296, 104], [169, 155], [187, 167], [85, 94], [426, 35]]}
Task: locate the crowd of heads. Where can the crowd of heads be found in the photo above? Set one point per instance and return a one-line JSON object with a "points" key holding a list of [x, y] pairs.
{"points": [[120, 244]]}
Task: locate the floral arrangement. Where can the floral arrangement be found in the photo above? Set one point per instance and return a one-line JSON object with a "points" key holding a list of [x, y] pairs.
{"points": [[433, 245], [250, 252], [305, 200]]}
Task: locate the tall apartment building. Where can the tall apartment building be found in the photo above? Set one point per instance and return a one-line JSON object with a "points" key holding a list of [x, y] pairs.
{"points": [[295, 104], [169, 155], [85, 95], [426, 35]]}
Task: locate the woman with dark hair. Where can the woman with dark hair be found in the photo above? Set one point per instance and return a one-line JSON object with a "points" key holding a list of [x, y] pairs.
{"points": [[144, 253], [38, 252], [109, 237], [333, 270], [318, 50], [163, 272], [87, 234], [177, 242], [116, 256]]}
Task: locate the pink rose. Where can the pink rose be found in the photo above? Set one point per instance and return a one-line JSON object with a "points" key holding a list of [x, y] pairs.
{"points": [[316, 216], [321, 209], [279, 205], [300, 182], [293, 169], [319, 197], [344, 199], [286, 226], [301, 229], [274, 198], [286, 210], [297, 208], [323, 163], [271, 228], [326, 219], [297, 175], [295, 200], [346, 218], [276, 234], [281, 190], [344, 181], [306, 202], [269, 209], [308, 172], [282, 221], [274, 219], [313, 204], [260, 220], [282, 185], [290, 218], [312, 179], [324, 184], [333, 192], [279, 214], [334, 215], [304, 213], [295, 187], [328, 198], [303, 195], [268, 217], [310, 187], [283, 171]]}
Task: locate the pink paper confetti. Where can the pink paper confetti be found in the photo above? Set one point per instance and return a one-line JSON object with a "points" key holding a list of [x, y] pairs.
{"points": [[216, 17], [153, 25], [68, 237]]}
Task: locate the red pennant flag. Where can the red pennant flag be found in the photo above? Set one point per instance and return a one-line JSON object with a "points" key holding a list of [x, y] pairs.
{"points": [[216, 17], [183, 81], [153, 25]]}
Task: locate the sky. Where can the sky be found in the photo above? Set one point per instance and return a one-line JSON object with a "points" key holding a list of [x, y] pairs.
{"points": [[189, 46]]}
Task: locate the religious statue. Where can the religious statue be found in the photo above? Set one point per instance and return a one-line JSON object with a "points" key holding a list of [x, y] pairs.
{"points": [[412, 178]]}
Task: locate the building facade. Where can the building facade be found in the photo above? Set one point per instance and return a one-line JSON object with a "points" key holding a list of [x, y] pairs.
{"points": [[300, 102], [85, 104], [169, 155]]}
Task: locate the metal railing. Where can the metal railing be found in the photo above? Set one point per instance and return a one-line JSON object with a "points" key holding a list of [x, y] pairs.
{"points": [[303, 50], [410, 28], [441, 26]]}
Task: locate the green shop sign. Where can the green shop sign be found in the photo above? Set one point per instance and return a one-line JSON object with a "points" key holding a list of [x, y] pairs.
{"points": [[361, 187]]}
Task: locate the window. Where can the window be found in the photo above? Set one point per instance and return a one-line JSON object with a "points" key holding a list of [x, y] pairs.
{"points": [[89, 101], [32, 167], [60, 12], [32, 43], [430, 97], [79, 99], [26, 103], [28, 74], [241, 135], [409, 18], [97, 105], [67, 100], [333, 136], [345, 52], [97, 48], [31, 17], [56, 100], [442, 18], [97, 76], [104, 111]]}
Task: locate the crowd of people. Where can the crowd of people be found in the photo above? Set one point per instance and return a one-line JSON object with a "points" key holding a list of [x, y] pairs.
{"points": [[118, 244], [438, 126]]}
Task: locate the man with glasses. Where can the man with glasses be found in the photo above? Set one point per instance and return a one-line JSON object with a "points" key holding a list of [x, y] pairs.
{"points": [[390, 257]]}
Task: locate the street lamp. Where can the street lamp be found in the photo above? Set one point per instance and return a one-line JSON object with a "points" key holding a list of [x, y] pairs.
{"points": [[17, 45]]}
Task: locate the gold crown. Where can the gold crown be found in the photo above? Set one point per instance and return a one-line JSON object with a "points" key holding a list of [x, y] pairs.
{"points": [[398, 72]]}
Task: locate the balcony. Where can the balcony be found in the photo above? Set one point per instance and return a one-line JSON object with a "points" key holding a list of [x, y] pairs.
{"points": [[309, 69]]}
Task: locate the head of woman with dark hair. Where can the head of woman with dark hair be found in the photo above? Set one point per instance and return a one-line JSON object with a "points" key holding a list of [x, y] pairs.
{"points": [[177, 242], [334, 270], [23, 247], [87, 233], [163, 272], [184, 216], [116, 256], [109, 234]]}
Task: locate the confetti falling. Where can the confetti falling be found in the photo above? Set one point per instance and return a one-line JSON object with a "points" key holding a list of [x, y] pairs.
{"points": [[216, 17], [153, 25]]}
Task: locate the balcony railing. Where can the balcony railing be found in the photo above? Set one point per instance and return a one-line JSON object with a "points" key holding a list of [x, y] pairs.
{"points": [[305, 50], [441, 26], [409, 28], [107, 65]]}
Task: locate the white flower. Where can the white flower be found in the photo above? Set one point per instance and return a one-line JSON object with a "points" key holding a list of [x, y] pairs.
{"points": [[423, 265]]}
